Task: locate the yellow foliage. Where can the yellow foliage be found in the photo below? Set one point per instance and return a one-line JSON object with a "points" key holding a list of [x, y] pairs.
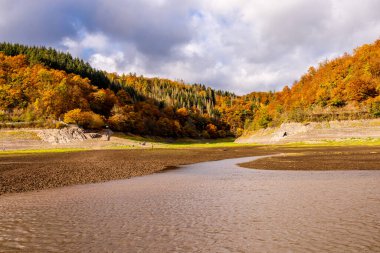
{"points": [[84, 119]]}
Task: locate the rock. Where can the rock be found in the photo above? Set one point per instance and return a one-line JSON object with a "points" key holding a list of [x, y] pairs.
{"points": [[64, 135], [93, 135]]}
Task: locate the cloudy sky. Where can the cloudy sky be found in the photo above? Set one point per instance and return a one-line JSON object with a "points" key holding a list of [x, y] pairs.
{"points": [[238, 45]]}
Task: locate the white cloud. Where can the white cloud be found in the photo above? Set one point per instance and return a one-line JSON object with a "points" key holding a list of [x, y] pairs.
{"points": [[87, 41], [241, 45], [108, 63]]}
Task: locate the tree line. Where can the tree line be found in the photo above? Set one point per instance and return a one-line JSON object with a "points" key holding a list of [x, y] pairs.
{"points": [[33, 92], [347, 87], [38, 83]]}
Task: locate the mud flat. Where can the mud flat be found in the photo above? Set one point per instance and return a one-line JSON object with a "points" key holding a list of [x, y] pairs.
{"points": [[21, 173], [205, 207], [363, 158]]}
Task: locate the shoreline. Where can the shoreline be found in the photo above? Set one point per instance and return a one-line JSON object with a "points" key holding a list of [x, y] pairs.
{"points": [[30, 172], [364, 158]]}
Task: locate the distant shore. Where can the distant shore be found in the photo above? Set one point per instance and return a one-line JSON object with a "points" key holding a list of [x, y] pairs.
{"points": [[345, 131], [30, 172]]}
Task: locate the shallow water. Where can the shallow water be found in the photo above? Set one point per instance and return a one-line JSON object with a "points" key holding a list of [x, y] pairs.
{"points": [[206, 207]]}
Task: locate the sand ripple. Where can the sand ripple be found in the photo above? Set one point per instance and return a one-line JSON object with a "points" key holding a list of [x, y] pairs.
{"points": [[207, 207]]}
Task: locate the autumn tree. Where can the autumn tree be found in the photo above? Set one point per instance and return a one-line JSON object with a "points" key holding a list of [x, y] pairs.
{"points": [[84, 119]]}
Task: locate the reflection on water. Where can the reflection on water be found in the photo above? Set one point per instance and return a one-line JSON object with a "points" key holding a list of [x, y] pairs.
{"points": [[214, 206]]}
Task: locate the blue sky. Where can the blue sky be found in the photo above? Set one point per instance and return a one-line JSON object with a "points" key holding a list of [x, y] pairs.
{"points": [[240, 45]]}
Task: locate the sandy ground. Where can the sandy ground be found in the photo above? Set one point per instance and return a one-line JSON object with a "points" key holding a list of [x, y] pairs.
{"points": [[20, 173]]}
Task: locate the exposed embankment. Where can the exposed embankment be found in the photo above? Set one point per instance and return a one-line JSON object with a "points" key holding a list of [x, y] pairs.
{"points": [[64, 135], [314, 132], [68, 137]]}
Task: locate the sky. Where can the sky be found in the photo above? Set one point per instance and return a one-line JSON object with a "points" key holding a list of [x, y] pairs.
{"points": [[236, 45]]}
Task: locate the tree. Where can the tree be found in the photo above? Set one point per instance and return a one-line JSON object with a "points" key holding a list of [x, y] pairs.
{"points": [[212, 130], [84, 119]]}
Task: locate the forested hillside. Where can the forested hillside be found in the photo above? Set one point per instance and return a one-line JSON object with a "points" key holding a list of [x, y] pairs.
{"points": [[347, 87], [54, 59], [35, 93], [32, 92], [43, 85]]}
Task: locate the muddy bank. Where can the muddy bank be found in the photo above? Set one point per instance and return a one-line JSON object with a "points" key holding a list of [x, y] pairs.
{"points": [[20, 173], [322, 159], [40, 171], [205, 207]]}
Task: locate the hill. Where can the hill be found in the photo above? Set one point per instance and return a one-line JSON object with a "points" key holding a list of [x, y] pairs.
{"points": [[41, 86], [32, 92], [345, 88]]}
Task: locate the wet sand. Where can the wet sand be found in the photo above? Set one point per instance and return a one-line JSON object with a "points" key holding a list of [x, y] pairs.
{"points": [[21, 173], [320, 159], [206, 207]]}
